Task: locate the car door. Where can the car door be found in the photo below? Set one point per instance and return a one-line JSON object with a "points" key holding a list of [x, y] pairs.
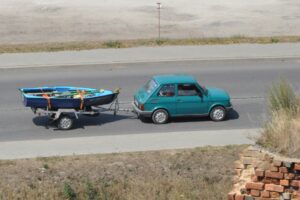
{"points": [[165, 98], [190, 100]]}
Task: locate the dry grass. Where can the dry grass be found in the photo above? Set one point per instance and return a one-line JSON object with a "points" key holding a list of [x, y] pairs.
{"points": [[282, 132], [49, 47], [200, 173]]}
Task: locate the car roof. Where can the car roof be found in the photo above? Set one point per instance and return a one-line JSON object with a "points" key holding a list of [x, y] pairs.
{"points": [[174, 78]]}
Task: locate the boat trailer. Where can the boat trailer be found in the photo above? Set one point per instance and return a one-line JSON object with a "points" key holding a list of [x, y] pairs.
{"points": [[64, 118]]}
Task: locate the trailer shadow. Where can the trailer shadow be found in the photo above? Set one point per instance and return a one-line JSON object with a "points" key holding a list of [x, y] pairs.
{"points": [[83, 120], [232, 115]]}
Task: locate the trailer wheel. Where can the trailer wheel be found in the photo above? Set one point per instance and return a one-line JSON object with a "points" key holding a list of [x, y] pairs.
{"points": [[65, 122]]}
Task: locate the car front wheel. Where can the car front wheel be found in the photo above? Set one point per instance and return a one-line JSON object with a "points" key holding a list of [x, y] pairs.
{"points": [[160, 116], [218, 113]]}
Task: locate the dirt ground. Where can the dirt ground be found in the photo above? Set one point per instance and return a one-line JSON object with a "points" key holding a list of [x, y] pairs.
{"points": [[202, 173], [28, 21]]}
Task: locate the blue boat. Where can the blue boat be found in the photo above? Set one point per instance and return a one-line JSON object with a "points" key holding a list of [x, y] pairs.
{"points": [[53, 98]]}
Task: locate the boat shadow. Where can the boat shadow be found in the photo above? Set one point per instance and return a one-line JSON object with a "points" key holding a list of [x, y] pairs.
{"points": [[83, 121]]}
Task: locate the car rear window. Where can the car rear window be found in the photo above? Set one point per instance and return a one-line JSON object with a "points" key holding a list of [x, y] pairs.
{"points": [[188, 90]]}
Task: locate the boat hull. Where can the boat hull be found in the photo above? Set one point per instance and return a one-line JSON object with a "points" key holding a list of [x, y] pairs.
{"points": [[32, 101], [68, 103]]}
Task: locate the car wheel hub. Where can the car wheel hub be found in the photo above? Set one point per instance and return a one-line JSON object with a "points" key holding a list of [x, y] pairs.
{"points": [[160, 117], [218, 114], [65, 123]]}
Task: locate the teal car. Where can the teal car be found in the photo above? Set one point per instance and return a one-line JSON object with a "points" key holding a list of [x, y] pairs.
{"points": [[166, 96]]}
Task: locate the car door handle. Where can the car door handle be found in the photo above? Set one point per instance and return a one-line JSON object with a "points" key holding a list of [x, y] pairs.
{"points": [[179, 100]]}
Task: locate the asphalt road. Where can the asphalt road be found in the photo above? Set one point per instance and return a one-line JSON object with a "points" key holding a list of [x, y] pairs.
{"points": [[245, 80]]}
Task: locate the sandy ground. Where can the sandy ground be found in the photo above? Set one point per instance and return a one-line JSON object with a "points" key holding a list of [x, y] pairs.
{"points": [[26, 21]]}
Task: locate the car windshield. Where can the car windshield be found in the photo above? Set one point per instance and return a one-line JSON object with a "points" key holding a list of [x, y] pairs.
{"points": [[150, 86]]}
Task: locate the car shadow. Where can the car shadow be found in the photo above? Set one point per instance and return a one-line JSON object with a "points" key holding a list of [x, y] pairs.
{"points": [[231, 115], [83, 121]]}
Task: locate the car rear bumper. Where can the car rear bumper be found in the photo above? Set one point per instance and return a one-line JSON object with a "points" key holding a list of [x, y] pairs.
{"points": [[140, 112], [229, 108]]}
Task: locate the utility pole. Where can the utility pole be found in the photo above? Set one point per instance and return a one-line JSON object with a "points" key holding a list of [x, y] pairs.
{"points": [[158, 8]]}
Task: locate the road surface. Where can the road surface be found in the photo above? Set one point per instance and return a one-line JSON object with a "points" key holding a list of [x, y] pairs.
{"points": [[245, 80]]}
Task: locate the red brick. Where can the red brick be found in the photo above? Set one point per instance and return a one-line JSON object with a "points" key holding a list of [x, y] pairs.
{"points": [[271, 180], [255, 186], [284, 182], [277, 163], [283, 170], [289, 176], [255, 193], [265, 194], [259, 172], [254, 179], [297, 166], [295, 183], [277, 175], [239, 197], [231, 196], [274, 188], [274, 194]]}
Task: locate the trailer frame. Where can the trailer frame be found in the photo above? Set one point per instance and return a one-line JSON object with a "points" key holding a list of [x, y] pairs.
{"points": [[65, 117]]}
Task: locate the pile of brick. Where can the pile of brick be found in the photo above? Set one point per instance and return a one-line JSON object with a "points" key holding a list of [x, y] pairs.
{"points": [[261, 175]]}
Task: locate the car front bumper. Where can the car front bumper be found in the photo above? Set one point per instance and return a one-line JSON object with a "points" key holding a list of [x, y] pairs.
{"points": [[140, 112]]}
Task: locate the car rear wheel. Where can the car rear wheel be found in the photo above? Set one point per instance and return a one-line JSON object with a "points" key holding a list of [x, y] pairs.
{"points": [[160, 116], [218, 113]]}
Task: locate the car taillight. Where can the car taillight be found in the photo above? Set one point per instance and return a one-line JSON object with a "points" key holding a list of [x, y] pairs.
{"points": [[141, 106]]}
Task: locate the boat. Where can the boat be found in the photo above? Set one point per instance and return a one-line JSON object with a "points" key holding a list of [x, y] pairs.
{"points": [[60, 97]]}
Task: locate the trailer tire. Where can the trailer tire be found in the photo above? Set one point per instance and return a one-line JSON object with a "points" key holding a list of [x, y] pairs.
{"points": [[65, 122]]}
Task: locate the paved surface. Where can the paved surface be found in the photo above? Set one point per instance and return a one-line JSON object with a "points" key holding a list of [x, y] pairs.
{"points": [[151, 54], [245, 80], [124, 143], [27, 21]]}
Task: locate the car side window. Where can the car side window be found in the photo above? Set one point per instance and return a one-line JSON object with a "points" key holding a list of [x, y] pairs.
{"points": [[188, 90], [167, 91]]}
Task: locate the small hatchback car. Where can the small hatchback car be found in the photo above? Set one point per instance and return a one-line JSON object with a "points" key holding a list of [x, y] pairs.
{"points": [[168, 96]]}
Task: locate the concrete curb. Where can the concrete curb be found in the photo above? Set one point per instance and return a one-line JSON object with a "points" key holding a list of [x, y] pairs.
{"points": [[124, 143], [147, 61], [151, 54]]}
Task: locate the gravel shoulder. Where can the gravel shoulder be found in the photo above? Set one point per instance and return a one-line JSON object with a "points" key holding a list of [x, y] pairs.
{"points": [[38, 21]]}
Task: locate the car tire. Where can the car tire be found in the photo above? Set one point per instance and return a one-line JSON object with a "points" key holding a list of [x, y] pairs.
{"points": [[218, 113], [65, 122], [160, 116]]}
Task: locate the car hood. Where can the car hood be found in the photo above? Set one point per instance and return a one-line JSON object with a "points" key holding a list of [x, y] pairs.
{"points": [[217, 94], [141, 95]]}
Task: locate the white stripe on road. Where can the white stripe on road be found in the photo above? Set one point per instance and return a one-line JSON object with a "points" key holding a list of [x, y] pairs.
{"points": [[124, 143]]}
